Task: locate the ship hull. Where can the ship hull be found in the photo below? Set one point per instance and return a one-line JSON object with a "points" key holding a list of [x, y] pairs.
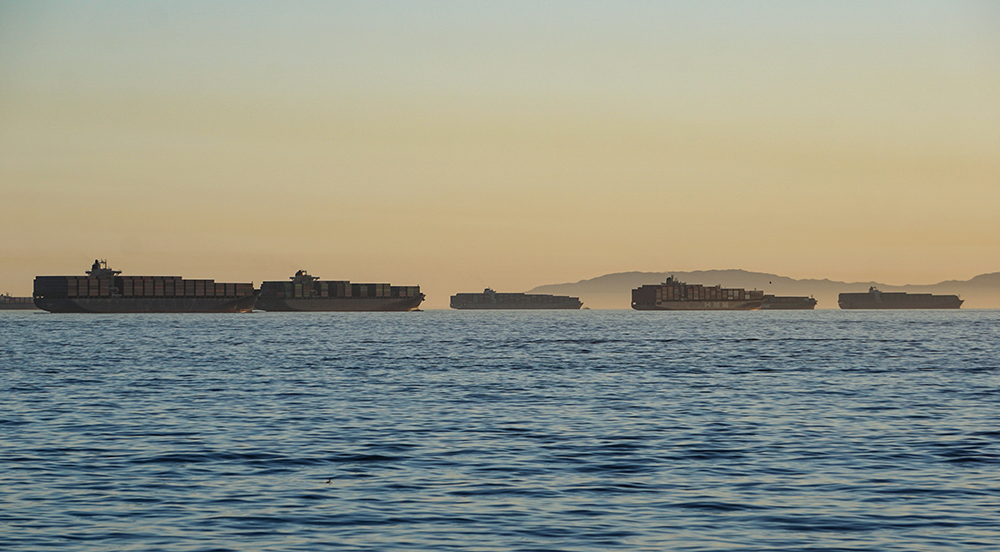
{"points": [[107, 305], [515, 306], [853, 305], [897, 300], [339, 304], [18, 306], [788, 303], [491, 300], [753, 304]]}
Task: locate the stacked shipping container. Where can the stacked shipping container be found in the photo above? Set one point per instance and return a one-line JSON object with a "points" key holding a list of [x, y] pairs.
{"points": [[698, 292], [490, 299], [308, 293], [8, 302], [106, 291], [136, 286], [673, 294], [339, 289]]}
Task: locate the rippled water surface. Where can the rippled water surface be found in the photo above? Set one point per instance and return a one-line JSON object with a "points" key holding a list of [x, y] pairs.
{"points": [[448, 430]]}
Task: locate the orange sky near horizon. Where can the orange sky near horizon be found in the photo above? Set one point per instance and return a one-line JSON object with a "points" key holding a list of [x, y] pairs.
{"points": [[462, 145]]}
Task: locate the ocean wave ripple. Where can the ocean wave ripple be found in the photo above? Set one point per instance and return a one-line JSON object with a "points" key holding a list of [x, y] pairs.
{"points": [[448, 430]]}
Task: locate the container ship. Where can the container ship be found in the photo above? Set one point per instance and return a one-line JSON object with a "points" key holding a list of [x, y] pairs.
{"points": [[876, 299], [773, 302], [104, 290], [310, 294], [677, 295], [7, 302], [490, 299]]}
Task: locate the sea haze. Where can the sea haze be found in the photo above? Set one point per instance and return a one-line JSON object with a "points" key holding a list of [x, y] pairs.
{"points": [[613, 291], [457, 430]]}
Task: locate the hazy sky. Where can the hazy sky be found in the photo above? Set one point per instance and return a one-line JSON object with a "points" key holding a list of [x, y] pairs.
{"points": [[455, 145]]}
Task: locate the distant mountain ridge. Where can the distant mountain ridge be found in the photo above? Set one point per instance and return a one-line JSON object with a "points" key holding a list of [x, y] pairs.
{"points": [[614, 291]]}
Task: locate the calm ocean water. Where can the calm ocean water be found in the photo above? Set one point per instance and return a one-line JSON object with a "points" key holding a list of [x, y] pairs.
{"points": [[448, 430]]}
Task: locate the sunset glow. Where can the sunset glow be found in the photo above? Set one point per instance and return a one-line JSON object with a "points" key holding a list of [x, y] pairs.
{"points": [[462, 145]]}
